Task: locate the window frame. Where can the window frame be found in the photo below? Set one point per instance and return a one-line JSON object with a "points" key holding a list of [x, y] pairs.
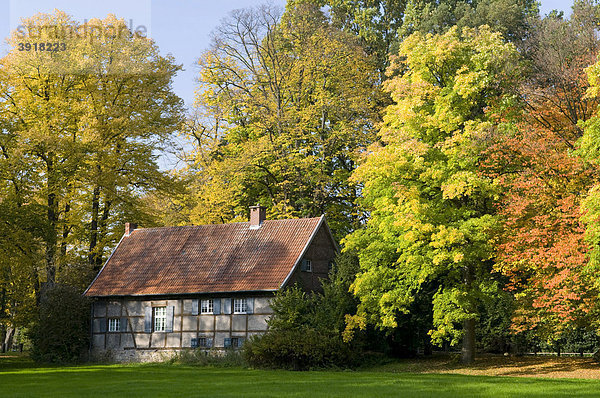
{"points": [[114, 325], [210, 306], [159, 321], [306, 265], [243, 305]]}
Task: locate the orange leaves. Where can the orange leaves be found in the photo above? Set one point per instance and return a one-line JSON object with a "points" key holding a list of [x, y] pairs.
{"points": [[541, 247]]}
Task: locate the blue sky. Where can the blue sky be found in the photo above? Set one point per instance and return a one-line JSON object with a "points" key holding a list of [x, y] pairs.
{"points": [[179, 27]]}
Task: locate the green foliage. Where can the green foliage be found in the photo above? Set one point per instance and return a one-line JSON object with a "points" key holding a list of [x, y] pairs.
{"points": [[200, 357], [306, 330], [297, 349], [61, 332], [581, 340], [494, 327], [382, 24], [432, 214], [375, 22], [509, 17]]}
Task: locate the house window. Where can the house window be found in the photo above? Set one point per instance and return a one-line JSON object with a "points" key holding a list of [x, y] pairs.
{"points": [[114, 324], [206, 306], [160, 319], [233, 342], [240, 306], [306, 265], [203, 342]]}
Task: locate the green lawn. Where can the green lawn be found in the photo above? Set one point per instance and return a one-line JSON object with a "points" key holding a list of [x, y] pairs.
{"points": [[19, 377]]}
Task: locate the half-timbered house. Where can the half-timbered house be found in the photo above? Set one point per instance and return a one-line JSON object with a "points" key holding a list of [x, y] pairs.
{"points": [[168, 289]]}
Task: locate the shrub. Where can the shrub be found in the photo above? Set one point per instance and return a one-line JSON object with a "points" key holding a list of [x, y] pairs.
{"points": [[305, 330], [61, 331], [298, 349], [201, 357]]}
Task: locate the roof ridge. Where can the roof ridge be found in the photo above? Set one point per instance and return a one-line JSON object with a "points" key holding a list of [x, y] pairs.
{"points": [[224, 224]]}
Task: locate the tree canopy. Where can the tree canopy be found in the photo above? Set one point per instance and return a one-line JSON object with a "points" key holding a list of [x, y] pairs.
{"points": [[431, 211], [286, 103]]}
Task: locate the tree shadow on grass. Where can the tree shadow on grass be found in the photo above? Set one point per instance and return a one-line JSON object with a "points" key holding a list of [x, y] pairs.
{"points": [[498, 365], [14, 361]]}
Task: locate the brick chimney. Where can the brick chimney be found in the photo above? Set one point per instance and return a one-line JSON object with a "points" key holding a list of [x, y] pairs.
{"points": [[257, 216], [129, 227]]}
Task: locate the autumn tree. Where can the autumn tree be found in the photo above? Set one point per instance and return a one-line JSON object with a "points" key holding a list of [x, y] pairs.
{"points": [[541, 246], [284, 104], [81, 127], [382, 24], [431, 209]]}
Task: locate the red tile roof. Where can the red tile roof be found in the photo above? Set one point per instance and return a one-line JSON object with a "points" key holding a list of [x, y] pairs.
{"points": [[205, 259]]}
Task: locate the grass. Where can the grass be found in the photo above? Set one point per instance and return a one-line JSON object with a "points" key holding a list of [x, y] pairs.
{"points": [[20, 377]]}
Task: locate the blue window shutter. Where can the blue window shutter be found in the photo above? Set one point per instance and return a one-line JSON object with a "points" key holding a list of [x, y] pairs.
{"points": [[209, 342], [250, 305], [194, 343], [195, 307], [216, 306], [227, 342], [226, 306], [148, 319], [123, 324], [240, 341], [170, 314], [103, 322], [303, 265]]}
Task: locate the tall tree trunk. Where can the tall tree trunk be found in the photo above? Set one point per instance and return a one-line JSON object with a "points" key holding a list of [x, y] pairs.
{"points": [[65, 234], [2, 311], [8, 338], [102, 231], [94, 227], [52, 218], [468, 348], [427, 346], [2, 335]]}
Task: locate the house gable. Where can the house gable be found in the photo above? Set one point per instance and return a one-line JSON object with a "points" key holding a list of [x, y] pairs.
{"points": [[320, 251]]}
